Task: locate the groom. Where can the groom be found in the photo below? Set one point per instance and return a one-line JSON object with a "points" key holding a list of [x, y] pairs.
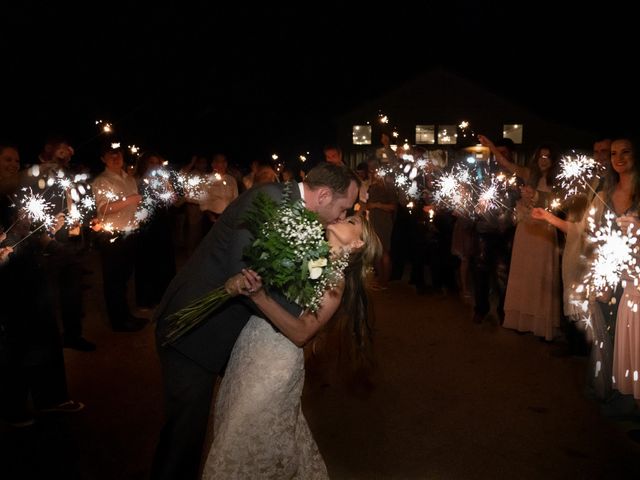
{"points": [[190, 365]]}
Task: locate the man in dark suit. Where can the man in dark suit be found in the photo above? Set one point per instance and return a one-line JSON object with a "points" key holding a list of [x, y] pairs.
{"points": [[191, 364]]}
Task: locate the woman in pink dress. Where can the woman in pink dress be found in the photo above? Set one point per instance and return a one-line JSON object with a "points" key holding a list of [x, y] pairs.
{"points": [[619, 368]]}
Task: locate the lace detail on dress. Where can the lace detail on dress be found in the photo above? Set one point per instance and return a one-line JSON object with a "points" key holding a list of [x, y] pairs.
{"points": [[259, 429]]}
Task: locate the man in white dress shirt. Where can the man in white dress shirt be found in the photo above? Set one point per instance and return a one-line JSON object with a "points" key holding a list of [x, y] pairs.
{"points": [[117, 199]]}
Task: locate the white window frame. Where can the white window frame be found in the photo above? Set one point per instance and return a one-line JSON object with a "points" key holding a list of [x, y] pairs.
{"points": [[424, 132], [514, 131], [360, 138], [452, 135]]}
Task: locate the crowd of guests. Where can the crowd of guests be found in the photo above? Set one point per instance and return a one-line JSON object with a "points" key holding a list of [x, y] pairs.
{"points": [[525, 261], [522, 260], [44, 264]]}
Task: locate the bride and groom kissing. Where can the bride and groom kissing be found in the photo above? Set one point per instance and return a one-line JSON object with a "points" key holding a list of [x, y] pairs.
{"points": [[255, 340]]}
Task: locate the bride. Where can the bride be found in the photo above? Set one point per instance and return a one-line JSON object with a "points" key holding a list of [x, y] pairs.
{"points": [[259, 428]]}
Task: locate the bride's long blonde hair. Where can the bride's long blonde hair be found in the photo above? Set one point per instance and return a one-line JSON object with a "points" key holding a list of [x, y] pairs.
{"points": [[353, 319]]}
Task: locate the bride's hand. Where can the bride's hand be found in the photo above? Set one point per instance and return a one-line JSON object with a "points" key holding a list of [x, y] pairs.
{"points": [[253, 282], [247, 283]]}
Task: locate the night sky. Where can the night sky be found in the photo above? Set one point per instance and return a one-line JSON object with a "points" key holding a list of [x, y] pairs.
{"points": [[251, 80]]}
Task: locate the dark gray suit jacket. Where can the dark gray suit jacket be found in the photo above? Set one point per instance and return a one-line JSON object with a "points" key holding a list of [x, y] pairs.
{"points": [[218, 257]]}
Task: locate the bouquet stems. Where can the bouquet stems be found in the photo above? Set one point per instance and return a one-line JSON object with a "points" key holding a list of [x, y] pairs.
{"points": [[194, 314]]}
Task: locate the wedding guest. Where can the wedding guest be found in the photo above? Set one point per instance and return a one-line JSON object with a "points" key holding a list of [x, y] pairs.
{"points": [[626, 349], [155, 263], [221, 190], [289, 175], [196, 171], [333, 154], [381, 208], [67, 264], [620, 196], [462, 247], [385, 154], [9, 168], [247, 180], [117, 199], [32, 371], [535, 259], [578, 342], [362, 169], [492, 237], [265, 173]]}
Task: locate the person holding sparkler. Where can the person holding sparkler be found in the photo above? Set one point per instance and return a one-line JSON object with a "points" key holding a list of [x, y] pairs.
{"points": [[535, 259], [155, 263], [532, 301], [117, 199], [581, 177], [620, 201], [31, 358], [67, 264], [491, 248]]}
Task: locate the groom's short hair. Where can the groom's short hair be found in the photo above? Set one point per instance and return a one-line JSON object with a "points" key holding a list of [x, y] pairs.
{"points": [[336, 177]]}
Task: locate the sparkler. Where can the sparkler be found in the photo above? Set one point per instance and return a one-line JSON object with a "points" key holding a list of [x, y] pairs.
{"points": [[35, 207], [135, 150], [111, 197], [105, 127], [37, 210], [614, 256], [471, 195], [27, 236], [451, 190], [576, 173], [192, 186], [488, 198], [465, 130]]}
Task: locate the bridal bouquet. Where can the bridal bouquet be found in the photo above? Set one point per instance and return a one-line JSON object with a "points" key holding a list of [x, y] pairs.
{"points": [[289, 252]]}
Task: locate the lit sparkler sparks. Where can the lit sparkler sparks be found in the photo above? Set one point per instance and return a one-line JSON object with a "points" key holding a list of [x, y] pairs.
{"points": [[105, 127], [36, 207], [488, 198], [192, 186], [135, 150], [575, 173], [614, 256], [451, 190]]}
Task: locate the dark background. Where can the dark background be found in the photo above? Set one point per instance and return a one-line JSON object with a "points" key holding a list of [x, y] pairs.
{"points": [[250, 80]]}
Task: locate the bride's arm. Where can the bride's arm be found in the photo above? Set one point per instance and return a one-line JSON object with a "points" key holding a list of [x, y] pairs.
{"points": [[297, 329]]}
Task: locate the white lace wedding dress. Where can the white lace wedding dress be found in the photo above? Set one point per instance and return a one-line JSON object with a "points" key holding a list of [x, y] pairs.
{"points": [[259, 429]]}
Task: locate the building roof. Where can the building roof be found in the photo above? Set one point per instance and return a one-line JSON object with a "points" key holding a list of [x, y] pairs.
{"points": [[440, 96]]}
